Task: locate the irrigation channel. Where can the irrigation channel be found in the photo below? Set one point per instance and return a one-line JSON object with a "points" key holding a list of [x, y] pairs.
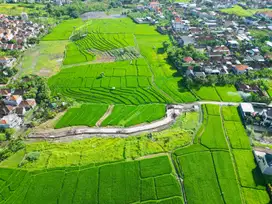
{"points": [[172, 112]]}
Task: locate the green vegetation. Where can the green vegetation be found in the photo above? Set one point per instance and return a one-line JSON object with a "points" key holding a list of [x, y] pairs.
{"points": [[212, 109], [119, 83], [87, 114], [228, 93], [110, 183], [226, 177], [213, 136], [100, 150], [239, 11], [207, 93], [237, 135], [84, 50], [44, 59], [201, 185], [64, 30], [123, 115], [249, 174], [230, 113], [254, 196], [17, 9]]}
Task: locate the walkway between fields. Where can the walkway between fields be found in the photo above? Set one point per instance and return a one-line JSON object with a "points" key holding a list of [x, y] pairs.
{"points": [[172, 112], [108, 112]]}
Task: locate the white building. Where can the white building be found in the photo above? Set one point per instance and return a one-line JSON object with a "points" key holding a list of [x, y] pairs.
{"points": [[264, 162]]}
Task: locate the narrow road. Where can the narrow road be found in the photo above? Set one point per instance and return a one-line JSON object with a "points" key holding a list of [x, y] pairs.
{"points": [[172, 112]]}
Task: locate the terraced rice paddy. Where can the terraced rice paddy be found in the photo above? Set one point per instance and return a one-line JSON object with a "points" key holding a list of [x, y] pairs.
{"points": [[123, 115], [125, 182], [85, 49], [119, 83]]}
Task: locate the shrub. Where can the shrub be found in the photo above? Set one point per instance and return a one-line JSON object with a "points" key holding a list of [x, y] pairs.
{"points": [[32, 156]]}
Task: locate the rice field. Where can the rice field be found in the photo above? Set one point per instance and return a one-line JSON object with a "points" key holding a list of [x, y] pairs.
{"points": [[123, 82], [129, 115], [86, 115], [110, 183]]}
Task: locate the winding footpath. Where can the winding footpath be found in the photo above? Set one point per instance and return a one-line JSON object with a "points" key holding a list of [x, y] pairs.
{"points": [[171, 113]]}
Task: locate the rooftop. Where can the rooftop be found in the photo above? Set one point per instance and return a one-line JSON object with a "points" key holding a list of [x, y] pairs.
{"points": [[247, 107]]}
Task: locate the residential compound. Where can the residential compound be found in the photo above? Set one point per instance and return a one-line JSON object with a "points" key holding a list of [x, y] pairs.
{"points": [[14, 32], [13, 108]]}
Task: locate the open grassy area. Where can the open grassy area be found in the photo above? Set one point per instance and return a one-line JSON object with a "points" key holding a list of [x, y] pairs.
{"points": [[207, 93], [239, 11], [17, 9], [228, 93], [110, 183], [44, 59], [123, 115]]}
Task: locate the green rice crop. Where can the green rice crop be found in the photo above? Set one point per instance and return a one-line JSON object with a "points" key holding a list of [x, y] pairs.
{"points": [[123, 115], [226, 177], [230, 113], [212, 109], [201, 185], [213, 136], [207, 93], [64, 30], [87, 114], [228, 93], [254, 196], [249, 173], [237, 135], [148, 170], [108, 183]]}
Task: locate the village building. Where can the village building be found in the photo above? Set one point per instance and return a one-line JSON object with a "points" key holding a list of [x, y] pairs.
{"points": [[264, 161]]}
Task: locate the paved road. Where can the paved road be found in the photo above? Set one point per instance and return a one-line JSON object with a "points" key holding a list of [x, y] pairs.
{"points": [[172, 112]]}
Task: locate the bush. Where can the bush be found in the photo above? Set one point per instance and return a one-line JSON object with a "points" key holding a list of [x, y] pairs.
{"points": [[3, 137], [32, 156]]}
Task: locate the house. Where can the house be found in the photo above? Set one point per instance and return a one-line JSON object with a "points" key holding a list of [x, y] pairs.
{"points": [[221, 49], [13, 100], [252, 88], [10, 121], [28, 104], [154, 5], [200, 74], [20, 111], [264, 161], [246, 109], [6, 62], [266, 115], [188, 60], [179, 25], [233, 44], [240, 68], [4, 110], [266, 14]]}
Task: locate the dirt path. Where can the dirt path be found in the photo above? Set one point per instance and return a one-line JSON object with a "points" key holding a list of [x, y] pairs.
{"points": [[108, 112], [83, 132]]}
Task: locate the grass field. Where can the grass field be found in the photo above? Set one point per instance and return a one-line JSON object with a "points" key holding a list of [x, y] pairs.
{"points": [[230, 113], [44, 59], [110, 183], [87, 115], [17, 9], [123, 115]]}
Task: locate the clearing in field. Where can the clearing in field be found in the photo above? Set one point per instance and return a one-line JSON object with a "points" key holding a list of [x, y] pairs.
{"points": [[109, 183], [45, 59]]}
